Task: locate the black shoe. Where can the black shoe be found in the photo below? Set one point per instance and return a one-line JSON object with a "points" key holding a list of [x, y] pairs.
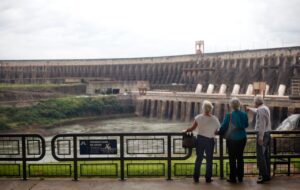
{"points": [[240, 180], [263, 180], [196, 180], [208, 180], [231, 181]]}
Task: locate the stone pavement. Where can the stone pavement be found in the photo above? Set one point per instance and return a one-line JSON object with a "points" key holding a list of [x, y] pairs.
{"points": [[277, 183]]}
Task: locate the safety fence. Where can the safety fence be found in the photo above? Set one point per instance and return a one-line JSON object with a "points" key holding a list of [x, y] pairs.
{"points": [[125, 155]]}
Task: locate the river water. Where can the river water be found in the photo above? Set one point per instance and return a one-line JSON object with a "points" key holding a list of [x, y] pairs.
{"points": [[131, 124], [126, 125]]}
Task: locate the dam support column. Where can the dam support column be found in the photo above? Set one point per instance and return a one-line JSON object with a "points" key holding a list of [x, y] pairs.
{"points": [[158, 113], [163, 110], [175, 110], [139, 107], [183, 111], [291, 110], [152, 108], [188, 111], [197, 108], [170, 110]]}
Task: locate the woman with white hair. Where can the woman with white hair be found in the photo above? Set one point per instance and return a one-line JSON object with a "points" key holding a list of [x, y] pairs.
{"points": [[206, 125], [234, 125]]}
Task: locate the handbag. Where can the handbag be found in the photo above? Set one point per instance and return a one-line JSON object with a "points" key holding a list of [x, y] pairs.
{"points": [[188, 140], [229, 129]]}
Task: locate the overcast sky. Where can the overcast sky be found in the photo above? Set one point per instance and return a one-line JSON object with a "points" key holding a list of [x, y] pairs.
{"points": [[65, 29]]}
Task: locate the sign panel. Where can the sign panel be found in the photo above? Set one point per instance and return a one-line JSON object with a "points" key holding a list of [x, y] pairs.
{"points": [[98, 147]]}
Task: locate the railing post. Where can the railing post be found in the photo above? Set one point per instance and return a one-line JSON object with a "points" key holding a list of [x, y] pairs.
{"points": [[169, 159], [221, 158], [24, 158], [75, 158], [122, 157]]}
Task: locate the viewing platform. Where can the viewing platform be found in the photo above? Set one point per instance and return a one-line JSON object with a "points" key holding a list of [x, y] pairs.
{"points": [[277, 183]]}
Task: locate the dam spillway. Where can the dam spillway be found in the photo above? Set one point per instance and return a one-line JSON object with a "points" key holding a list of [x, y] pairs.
{"points": [[184, 106]]}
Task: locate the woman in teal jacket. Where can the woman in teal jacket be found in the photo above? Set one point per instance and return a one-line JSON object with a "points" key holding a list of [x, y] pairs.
{"points": [[235, 140]]}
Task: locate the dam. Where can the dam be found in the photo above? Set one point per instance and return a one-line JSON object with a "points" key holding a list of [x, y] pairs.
{"points": [[173, 93], [277, 66], [178, 84]]}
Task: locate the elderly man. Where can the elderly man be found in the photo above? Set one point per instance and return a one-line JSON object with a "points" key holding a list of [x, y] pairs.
{"points": [[262, 126]]}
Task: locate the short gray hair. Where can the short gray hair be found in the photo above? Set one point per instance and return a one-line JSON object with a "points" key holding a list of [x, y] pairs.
{"points": [[207, 106], [258, 100], [235, 103]]}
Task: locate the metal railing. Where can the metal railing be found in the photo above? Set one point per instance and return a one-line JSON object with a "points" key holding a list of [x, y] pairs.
{"points": [[131, 155], [20, 147], [122, 146]]}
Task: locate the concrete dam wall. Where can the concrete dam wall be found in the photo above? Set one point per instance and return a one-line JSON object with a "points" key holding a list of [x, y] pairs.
{"points": [[275, 66], [185, 106], [217, 76]]}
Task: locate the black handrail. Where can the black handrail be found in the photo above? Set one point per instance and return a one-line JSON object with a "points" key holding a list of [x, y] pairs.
{"points": [[24, 157], [278, 152], [121, 158]]}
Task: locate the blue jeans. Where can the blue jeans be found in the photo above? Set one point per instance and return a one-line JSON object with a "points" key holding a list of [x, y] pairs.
{"points": [[207, 145], [263, 156]]}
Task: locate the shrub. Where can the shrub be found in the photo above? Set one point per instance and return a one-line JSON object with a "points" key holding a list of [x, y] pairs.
{"points": [[48, 111]]}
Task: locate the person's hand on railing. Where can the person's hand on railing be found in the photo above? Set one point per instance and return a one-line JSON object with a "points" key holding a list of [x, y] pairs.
{"points": [[217, 132]]}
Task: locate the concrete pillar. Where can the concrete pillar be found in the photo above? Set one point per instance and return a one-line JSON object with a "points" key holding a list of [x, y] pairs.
{"points": [[198, 89], [267, 89], [148, 108], [273, 118], [179, 111], [193, 107], [175, 110], [281, 90], [197, 108], [183, 111], [217, 110], [188, 111], [159, 104], [263, 62], [139, 107], [163, 109], [291, 110], [145, 104], [167, 110], [222, 111], [210, 89], [152, 109], [236, 89], [249, 90], [223, 89], [170, 110], [277, 62]]}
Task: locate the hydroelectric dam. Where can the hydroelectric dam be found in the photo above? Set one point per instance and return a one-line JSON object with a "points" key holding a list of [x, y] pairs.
{"points": [[178, 84]]}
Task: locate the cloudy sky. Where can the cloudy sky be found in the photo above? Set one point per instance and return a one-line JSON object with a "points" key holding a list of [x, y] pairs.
{"points": [[64, 29]]}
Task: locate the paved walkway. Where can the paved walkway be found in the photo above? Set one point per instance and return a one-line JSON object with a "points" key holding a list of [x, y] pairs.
{"points": [[284, 183]]}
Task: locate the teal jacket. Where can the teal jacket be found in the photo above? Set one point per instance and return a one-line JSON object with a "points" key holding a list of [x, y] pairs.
{"points": [[239, 120]]}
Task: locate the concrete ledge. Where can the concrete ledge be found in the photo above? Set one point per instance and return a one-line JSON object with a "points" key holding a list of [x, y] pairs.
{"points": [[277, 183]]}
